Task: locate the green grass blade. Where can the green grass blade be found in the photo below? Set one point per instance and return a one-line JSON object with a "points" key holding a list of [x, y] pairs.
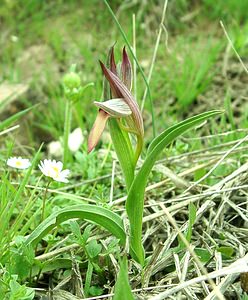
{"points": [[99, 215], [14, 118], [192, 219], [122, 287], [7, 213], [135, 199]]}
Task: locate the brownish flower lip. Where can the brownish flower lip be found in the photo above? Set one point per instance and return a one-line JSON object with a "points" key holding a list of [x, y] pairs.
{"points": [[97, 129]]}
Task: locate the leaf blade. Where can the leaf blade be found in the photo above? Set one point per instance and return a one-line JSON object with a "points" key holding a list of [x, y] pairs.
{"points": [[100, 215], [124, 151], [135, 199], [15, 117], [122, 286]]}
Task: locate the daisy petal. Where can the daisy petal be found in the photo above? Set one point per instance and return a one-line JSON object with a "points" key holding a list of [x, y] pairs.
{"points": [[53, 169]]}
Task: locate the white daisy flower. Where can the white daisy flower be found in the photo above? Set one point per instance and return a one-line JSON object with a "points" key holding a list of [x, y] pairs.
{"points": [[18, 163], [53, 169]]}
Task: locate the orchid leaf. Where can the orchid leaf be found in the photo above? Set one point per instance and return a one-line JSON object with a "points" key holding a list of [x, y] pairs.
{"points": [[135, 199], [124, 151], [160, 137], [99, 215], [122, 286]]}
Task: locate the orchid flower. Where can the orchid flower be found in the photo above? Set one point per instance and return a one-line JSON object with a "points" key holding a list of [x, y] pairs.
{"points": [[122, 106]]}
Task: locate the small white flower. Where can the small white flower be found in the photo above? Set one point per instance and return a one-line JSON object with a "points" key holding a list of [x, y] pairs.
{"points": [[14, 38], [18, 163], [53, 169], [75, 140], [55, 149]]}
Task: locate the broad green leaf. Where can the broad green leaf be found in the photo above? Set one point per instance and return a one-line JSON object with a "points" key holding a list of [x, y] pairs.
{"points": [[99, 215], [227, 252], [21, 258], [122, 286], [75, 229], [93, 248], [86, 234], [123, 150], [203, 254], [199, 174], [95, 290], [135, 199], [51, 265], [20, 292]]}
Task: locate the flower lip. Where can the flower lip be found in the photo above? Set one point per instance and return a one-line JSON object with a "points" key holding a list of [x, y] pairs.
{"points": [[53, 169], [97, 129], [18, 163], [115, 107]]}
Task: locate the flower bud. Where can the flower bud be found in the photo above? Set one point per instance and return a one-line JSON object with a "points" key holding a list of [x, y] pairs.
{"points": [[72, 81], [72, 86]]}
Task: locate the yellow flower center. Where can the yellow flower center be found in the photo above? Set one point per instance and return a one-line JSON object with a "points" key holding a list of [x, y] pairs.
{"points": [[18, 163], [53, 172]]}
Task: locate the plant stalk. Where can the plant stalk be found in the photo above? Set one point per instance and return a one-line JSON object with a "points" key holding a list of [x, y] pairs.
{"points": [[67, 128], [44, 202]]}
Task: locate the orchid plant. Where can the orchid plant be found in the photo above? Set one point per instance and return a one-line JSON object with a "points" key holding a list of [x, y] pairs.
{"points": [[121, 111], [125, 120]]}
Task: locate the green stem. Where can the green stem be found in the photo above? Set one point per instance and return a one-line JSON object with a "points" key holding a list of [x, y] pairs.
{"points": [[44, 202], [125, 128], [67, 128], [28, 206], [88, 278], [138, 150], [124, 151]]}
